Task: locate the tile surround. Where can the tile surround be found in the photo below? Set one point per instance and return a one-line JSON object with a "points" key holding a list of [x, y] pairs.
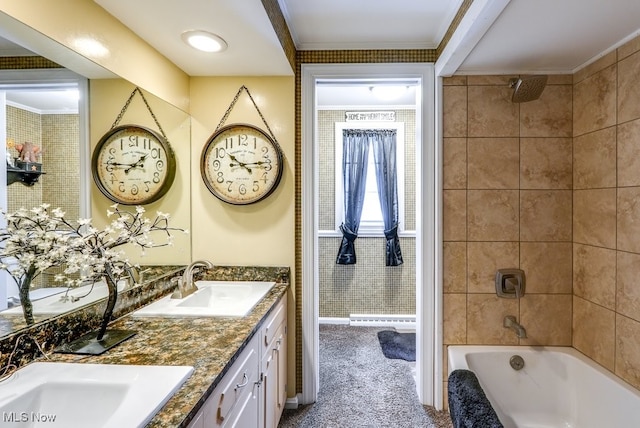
{"points": [[548, 116], [545, 163], [595, 102], [548, 319], [491, 112], [628, 285], [507, 204], [484, 259], [455, 267], [515, 208], [493, 163], [627, 358], [455, 156], [485, 313], [594, 217], [627, 153], [576, 228], [628, 216], [594, 274], [493, 215], [594, 159], [545, 215], [594, 331], [628, 88], [548, 267]]}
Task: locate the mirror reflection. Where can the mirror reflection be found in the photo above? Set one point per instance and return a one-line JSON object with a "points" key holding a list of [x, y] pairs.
{"points": [[46, 122]]}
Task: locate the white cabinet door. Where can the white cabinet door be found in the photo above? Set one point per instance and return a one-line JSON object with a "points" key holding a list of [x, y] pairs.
{"points": [[269, 388], [274, 376], [235, 400], [281, 351]]}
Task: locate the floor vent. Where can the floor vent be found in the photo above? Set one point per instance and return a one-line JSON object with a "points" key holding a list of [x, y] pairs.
{"points": [[400, 322]]}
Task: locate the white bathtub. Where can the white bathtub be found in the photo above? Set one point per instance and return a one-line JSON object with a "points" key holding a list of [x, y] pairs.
{"points": [[558, 387]]}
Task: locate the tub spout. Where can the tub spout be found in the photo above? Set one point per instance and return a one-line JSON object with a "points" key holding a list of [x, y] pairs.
{"points": [[510, 322]]}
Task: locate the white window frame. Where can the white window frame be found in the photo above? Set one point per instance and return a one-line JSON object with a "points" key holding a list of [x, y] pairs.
{"points": [[368, 228]]}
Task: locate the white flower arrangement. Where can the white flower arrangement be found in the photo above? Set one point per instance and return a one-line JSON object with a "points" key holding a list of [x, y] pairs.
{"points": [[37, 239]]}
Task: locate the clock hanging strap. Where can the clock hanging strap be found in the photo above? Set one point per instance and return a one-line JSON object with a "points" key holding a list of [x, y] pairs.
{"points": [[126, 106], [233, 103]]}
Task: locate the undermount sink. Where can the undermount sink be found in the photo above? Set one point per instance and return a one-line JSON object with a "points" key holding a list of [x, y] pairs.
{"points": [[213, 299], [79, 395]]}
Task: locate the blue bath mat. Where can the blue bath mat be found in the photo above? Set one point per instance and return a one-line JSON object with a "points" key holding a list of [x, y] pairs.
{"points": [[399, 346]]}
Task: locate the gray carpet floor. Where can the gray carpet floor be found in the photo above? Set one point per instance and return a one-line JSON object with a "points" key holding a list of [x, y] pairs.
{"points": [[359, 387]]}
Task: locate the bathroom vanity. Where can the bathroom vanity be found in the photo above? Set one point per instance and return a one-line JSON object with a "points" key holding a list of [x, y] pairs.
{"points": [[253, 391], [239, 363]]}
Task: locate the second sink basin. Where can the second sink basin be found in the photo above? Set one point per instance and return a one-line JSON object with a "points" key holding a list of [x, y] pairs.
{"points": [[213, 299], [78, 395]]}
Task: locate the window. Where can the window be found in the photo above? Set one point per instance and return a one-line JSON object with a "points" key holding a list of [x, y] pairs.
{"points": [[371, 222]]}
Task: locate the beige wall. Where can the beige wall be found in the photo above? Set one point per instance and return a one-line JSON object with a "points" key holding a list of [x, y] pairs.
{"points": [[260, 234], [257, 234], [107, 97], [127, 55], [606, 220]]}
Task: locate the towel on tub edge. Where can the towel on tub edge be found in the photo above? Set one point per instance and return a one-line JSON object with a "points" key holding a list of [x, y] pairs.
{"points": [[468, 404]]}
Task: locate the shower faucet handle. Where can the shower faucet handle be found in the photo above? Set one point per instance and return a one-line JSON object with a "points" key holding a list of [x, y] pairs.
{"points": [[510, 283]]}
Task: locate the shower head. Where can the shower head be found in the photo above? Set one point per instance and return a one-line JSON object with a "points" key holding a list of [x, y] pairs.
{"points": [[527, 88]]}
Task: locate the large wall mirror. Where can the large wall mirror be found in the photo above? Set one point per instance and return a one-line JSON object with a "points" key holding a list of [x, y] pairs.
{"points": [[64, 115]]}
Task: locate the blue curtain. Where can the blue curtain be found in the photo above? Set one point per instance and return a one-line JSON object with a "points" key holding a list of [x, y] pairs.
{"points": [[355, 152], [384, 154]]}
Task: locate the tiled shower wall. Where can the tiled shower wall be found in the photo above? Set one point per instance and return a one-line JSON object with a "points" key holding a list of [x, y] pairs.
{"points": [[368, 287], [606, 220], [551, 186], [507, 204]]}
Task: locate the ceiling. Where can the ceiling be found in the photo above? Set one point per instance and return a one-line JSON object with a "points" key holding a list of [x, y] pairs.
{"points": [[494, 37], [541, 36]]}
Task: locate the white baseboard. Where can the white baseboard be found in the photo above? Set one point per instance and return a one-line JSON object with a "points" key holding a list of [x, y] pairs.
{"points": [[329, 320], [400, 322], [292, 402]]}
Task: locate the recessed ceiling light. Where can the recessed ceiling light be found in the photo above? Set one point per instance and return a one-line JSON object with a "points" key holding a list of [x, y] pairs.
{"points": [[204, 41]]}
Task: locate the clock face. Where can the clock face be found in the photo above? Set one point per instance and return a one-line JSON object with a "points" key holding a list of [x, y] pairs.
{"points": [[133, 165], [241, 164]]}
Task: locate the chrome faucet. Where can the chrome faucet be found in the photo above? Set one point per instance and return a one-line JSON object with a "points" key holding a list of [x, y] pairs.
{"points": [[134, 275], [510, 322], [10, 368], [186, 285]]}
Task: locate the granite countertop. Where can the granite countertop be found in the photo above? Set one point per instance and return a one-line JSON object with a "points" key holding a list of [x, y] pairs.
{"points": [[210, 345]]}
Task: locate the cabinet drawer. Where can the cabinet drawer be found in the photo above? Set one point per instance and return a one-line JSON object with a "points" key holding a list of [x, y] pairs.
{"points": [[275, 319], [238, 383]]}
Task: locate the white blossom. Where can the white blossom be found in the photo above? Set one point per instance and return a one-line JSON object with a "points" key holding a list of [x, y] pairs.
{"points": [[37, 240]]}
